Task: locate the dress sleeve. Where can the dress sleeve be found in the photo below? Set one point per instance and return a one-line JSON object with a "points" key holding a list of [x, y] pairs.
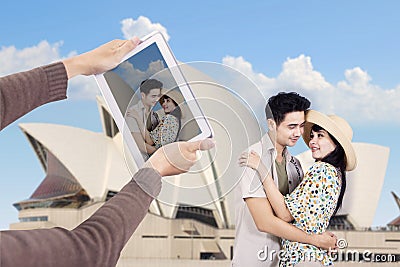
{"points": [[312, 203], [25, 91]]}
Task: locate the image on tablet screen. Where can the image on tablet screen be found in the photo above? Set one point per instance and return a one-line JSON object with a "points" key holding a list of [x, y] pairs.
{"points": [[153, 106]]}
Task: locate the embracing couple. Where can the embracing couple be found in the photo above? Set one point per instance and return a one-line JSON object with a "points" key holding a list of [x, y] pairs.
{"points": [[275, 199], [148, 129]]}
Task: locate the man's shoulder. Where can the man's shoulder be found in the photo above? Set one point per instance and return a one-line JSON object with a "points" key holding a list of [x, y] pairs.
{"points": [[262, 145], [257, 147], [138, 106]]}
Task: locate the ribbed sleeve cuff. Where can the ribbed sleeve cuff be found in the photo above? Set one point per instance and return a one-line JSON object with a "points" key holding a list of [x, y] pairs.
{"points": [[149, 180], [57, 80]]}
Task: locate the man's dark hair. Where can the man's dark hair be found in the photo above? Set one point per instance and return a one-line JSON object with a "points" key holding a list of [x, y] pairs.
{"points": [[282, 103], [150, 84]]}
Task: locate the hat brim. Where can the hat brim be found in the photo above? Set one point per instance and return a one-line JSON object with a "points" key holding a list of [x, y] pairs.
{"points": [[315, 117], [173, 94]]}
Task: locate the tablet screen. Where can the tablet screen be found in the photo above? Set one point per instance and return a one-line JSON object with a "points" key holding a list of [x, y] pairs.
{"points": [[152, 104]]}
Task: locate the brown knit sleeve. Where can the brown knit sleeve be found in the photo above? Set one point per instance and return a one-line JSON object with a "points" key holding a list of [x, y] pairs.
{"points": [[25, 91], [96, 242]]}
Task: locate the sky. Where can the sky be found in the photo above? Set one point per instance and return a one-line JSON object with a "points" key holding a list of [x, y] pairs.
{"points": [[342, 55]]}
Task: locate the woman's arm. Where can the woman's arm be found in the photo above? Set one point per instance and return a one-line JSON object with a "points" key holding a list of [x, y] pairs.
{"points": [[275, 197]]}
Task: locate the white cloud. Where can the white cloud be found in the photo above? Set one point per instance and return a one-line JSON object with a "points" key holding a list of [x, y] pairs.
{"points": [[355, 97], [141, 27], [83, 88], [134, 76], [299, 73], [15, 60]]}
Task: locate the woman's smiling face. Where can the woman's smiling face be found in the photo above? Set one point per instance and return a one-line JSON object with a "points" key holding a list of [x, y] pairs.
{"points": [[168, 104], [321, 144]]}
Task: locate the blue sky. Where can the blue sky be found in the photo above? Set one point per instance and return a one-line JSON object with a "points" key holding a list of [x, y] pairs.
{"points": [[343, 55]]}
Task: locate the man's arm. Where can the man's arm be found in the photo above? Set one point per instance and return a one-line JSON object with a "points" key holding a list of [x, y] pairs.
{"points": [[266, 221], [252, 159], [142, 145]]}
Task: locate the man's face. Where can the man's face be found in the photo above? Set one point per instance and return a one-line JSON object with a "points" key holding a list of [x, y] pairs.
{"points": [[151, 98], [290, 129]]}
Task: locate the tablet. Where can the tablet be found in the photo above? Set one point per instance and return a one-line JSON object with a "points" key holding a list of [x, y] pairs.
{"points": [[150, 100]]}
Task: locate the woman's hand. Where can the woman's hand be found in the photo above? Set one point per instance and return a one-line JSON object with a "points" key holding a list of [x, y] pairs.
{"points": [[250, 159]]}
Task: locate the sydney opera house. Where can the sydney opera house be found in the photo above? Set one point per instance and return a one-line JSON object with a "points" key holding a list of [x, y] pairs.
{"points": [[189, 226]]}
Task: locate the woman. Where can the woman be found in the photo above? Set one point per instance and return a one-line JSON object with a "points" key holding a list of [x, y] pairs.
{"points": [[318, 197], [167, 131]]}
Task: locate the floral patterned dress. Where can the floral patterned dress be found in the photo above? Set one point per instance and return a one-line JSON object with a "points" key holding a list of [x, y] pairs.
{"points": [[312, 204], [166, 131]]}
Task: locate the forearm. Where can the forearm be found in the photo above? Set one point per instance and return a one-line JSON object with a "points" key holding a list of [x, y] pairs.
{"points": [[114, 223], [96, 242], [285, 230], [266, 221], [275, 197], [144, 132], [140, 142], [147, 137], [22, 92], [150, 149], [141, 127]]}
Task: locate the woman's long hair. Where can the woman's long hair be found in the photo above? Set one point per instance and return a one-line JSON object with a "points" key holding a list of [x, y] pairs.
{"points": [[177, 113], [337, 158]]}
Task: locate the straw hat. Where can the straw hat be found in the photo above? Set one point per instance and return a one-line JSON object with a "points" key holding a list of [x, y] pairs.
{"points": [[338, 128], [174, 94]]}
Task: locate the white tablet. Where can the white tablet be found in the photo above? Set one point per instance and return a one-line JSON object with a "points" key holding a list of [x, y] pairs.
{"points": [[147, 90]]}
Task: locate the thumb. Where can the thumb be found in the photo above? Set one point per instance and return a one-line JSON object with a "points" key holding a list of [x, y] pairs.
{"points": [[205, 144]]}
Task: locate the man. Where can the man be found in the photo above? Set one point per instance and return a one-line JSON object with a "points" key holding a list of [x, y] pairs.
{"points": [[150, 92], [257, 228]]}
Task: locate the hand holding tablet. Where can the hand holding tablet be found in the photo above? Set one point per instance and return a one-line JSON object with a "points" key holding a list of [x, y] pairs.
{"points": [[150, 100]]}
